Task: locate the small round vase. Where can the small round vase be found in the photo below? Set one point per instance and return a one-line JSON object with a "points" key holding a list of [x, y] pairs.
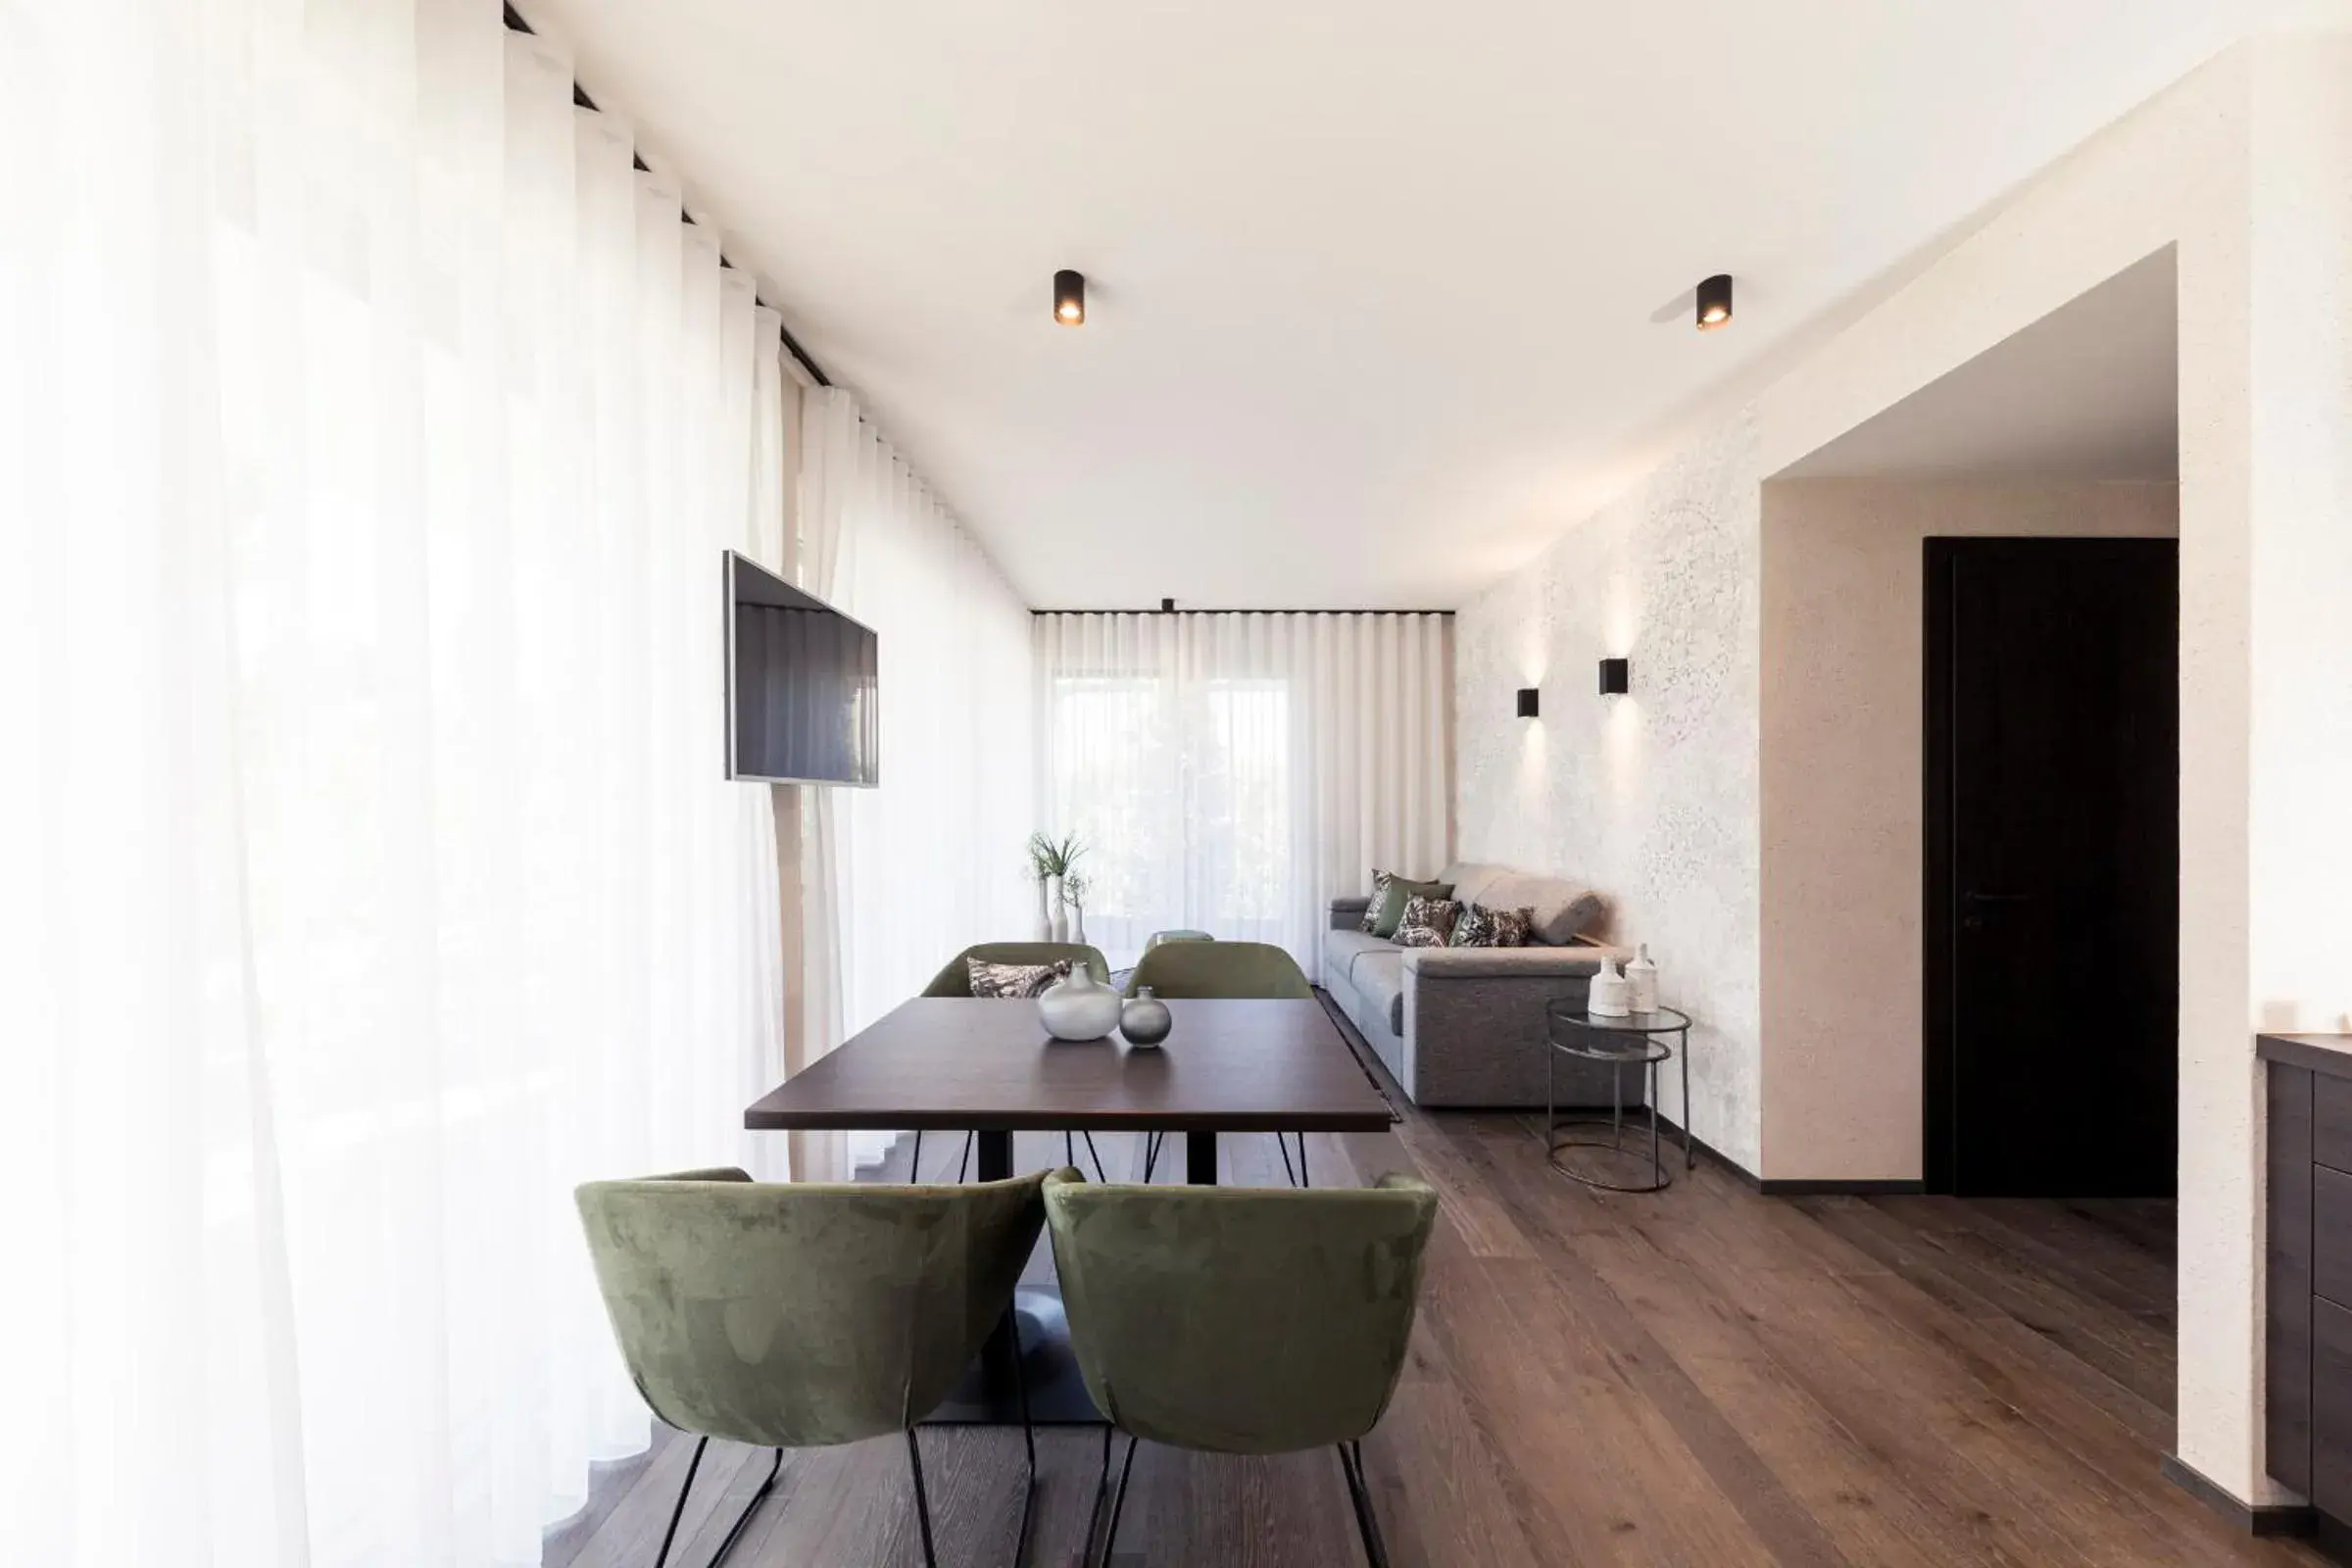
{"points": [[1145, 1021], [1080, 1007]]}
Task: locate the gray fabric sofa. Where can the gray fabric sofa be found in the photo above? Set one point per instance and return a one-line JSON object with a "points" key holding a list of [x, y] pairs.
{"points": [[1464, 1026]]}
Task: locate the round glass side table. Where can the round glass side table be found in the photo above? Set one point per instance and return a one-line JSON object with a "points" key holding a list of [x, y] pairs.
{"points": [[1633, 1040]]}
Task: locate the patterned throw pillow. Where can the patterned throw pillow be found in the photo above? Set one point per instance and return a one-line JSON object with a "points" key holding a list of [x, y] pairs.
{"points": [[1482, 927], [1390, 895], [1015, 979], [1427, 922]]}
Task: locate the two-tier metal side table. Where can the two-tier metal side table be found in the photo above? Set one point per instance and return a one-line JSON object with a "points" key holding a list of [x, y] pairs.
{"points": [[1631, 1040]]}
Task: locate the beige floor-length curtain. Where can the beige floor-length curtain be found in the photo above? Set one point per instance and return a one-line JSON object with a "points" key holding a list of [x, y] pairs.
{"points": [[1233, 772], [901, 877], [370, 431], [829, 445]]}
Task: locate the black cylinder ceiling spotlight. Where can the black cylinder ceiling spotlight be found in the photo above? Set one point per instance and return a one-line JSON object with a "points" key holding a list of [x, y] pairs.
{"points": [[1715, 302], [1069, 297]]}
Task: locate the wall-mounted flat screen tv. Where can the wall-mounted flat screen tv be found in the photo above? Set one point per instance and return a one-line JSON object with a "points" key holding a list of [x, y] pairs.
{"points": [[801, 685]]}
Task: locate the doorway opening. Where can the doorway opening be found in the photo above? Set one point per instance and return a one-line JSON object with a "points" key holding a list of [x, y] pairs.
{"points": [[2024, 1044], [2051, 1064]]}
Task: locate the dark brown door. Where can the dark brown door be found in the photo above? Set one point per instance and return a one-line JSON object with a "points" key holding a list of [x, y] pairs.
{"points": [[2053, 865]]}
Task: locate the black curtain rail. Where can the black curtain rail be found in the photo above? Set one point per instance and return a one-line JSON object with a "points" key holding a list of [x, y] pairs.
{"points": [[579, 96]]}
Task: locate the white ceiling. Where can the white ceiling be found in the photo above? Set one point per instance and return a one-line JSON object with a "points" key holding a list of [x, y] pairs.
{"points": [[2091, 391], [1383, 295]]}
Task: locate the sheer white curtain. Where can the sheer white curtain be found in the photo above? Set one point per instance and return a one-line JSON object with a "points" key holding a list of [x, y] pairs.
{"points": [[369, 432], [909, 873], [1233, 772]]}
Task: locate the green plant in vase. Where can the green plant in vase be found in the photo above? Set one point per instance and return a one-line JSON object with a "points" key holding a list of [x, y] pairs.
{"points": [[1051, 861]]}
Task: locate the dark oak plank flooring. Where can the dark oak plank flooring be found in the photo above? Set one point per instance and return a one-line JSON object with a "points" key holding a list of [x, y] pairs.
{"points": [[1703, 1376]]}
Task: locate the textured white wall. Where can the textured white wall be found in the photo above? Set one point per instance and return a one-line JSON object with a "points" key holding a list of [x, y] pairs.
{"points": [[1649, 797], [1843, 618], [2264, 457], [2300, 565]]}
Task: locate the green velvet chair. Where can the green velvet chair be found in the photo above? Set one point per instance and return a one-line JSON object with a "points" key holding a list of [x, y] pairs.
{"points": [[955, 979], [1159, 936], [1219, 969], [1224, 969], [1240, 1320], [806, 1314]]}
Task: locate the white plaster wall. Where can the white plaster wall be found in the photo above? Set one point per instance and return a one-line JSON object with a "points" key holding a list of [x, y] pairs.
{"points": [[2299, 572], [1652, 797], [1844, 610], [2180, 172]]}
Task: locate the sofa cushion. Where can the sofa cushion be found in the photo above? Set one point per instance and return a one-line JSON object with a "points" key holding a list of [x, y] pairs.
{"points": [[1391, 893], [1562, 909], [1341, 949], [1015, 979], [1471, 879], [1379, 978], [1482, 927], [1427, 922]]}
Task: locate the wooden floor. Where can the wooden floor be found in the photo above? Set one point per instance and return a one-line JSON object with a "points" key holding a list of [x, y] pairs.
{"points": [[1705, 1377]]}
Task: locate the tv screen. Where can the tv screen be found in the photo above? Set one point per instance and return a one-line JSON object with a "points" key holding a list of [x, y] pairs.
{"points": [[801, 691]]}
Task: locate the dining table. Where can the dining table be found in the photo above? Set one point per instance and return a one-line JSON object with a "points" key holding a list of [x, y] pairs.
{"points": [[987, 1066]]}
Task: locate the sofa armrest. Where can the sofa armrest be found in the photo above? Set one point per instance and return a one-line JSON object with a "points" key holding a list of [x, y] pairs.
{"points": [[1581, 960], [1347, 914]]}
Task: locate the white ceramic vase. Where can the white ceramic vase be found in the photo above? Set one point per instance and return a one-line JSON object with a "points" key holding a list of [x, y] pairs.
{"points": [[1045, 913], [1078, 923], [1608, 997], [1058, 929], [1079, 1008], [1641, 981]]}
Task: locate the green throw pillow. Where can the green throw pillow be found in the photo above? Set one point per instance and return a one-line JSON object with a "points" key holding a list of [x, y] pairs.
{"points": [[1382, 919]]}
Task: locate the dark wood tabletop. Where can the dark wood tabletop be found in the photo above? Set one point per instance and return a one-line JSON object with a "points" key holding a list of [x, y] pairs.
{"points": [[963, 1062]]}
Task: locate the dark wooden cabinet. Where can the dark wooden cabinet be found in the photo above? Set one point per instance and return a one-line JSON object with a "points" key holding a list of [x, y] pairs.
{"points": [[2330, 1409], [2307, 1334]]}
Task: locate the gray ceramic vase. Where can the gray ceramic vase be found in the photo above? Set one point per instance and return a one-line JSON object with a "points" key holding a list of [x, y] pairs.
{"points": [[1079, 1008], [1145, 1021]]}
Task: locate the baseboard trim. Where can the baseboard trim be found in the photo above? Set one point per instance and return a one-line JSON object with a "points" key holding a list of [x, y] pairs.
{"points": [[2253, 1519], [1376, 1070], [1802, 1187]]}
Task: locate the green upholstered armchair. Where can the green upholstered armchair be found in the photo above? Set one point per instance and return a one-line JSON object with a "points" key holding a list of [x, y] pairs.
{"points": [[955, 979], [1240, 1320], [1219, 969], [802, 1315], [1223, 969]]}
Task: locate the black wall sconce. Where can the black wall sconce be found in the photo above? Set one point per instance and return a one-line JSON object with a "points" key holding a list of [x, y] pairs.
{"points": [[1616, 676], [1715, 302], [1069, 297], [1527, 702]]}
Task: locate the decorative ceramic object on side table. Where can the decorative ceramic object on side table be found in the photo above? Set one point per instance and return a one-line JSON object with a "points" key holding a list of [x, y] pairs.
{"points": [[1642, 980], [1061, 929], [1609, 996], [1073, 894], [1044, 911], [1079, 1006], [1145, 1021]]}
